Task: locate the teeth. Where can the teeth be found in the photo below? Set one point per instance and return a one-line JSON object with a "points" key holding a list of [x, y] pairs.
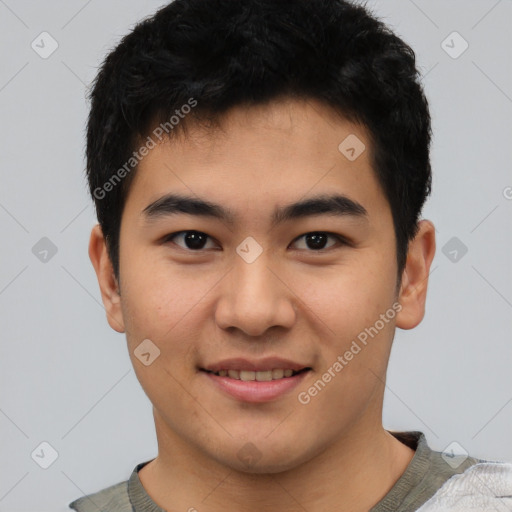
{"points": [[234, 374], [245, 375], [265, 375], [277, 374]]}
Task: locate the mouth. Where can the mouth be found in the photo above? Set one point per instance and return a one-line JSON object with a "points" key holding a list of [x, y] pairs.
{"points": [[255, 382], [259, 376]]}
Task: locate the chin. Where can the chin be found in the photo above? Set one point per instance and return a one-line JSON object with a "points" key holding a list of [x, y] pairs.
{"points": [[264, 458], [263, 467]]}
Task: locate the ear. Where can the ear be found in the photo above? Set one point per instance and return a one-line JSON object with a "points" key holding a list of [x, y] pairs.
{"points": [[413, 288], [105, 273]]}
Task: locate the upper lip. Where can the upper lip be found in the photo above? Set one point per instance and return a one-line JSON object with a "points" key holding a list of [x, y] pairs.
{"points": [[269, 363]]}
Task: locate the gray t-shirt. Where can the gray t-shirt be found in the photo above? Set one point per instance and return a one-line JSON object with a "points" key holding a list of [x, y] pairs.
{"points": [[423, 477]]}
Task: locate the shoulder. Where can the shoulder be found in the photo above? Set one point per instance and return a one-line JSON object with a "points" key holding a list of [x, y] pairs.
{"points": [[114, 499], [486, 485]]}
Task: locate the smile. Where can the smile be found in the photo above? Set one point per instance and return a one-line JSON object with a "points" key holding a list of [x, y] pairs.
{"points": [[260, 376], [256, 386]]}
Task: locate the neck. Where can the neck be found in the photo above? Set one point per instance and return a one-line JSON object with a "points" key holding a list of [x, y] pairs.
{"points": [[353, 474]]}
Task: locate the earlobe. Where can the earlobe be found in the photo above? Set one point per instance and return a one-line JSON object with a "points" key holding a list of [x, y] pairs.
{"points": [[413, 289], [109, 288]]}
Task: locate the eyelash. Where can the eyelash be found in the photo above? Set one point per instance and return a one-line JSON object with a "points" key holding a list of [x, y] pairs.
{"points": [[341, 241]]}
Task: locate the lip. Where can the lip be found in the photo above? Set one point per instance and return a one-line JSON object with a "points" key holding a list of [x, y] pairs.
{"points": [[256, 391], [268, 363]]}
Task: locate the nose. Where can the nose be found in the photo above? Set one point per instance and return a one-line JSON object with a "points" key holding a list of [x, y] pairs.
{"points": [[255, 297]]}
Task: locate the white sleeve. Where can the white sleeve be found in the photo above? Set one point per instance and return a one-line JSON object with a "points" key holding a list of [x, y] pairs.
{"points": [[486, 486]]}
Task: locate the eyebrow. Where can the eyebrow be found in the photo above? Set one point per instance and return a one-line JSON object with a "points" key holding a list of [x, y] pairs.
{"points": [[336, 204]]}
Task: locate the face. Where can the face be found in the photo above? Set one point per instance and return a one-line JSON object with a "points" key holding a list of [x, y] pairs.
{"points": [[236, 278]]}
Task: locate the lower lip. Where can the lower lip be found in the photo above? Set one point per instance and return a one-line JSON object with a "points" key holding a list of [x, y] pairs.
{"points": [[256, 391]]}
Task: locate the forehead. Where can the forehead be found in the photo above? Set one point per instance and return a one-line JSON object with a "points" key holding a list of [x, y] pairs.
{"points": [[262, 155]]}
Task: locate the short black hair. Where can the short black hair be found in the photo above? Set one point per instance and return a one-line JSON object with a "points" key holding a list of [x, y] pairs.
{"points": [[193, 60]]}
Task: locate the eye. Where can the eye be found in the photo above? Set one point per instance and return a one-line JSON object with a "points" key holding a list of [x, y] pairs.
{"points": [[197, 240], [317, 240], [192, 240]]}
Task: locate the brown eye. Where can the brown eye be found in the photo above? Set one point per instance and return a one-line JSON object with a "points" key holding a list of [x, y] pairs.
{"points": [[317, 240], [192, 240]]}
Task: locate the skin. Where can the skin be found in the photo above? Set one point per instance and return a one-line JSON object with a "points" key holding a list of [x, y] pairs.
{"points": [[291, 302]]}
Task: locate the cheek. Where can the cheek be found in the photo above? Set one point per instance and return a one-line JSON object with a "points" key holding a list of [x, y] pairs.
{"points": [[164, 305], [348, 298], [153, 292], [166, 313], [350, 304], [156, 312]]}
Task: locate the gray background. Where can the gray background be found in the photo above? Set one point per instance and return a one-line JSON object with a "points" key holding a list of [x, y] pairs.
{"points": [[66, 377]]}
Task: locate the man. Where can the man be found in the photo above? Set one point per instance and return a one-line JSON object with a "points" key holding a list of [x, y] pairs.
{"points": [[259, 168]]}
